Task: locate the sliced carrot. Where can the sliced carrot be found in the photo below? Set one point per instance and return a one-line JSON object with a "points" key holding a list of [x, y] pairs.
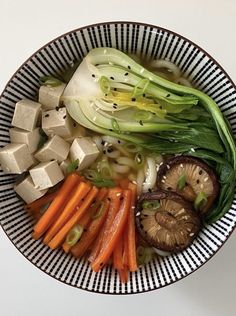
{"points": [[114, 233], [86, 219], [75, 198], [130, 235], [114, 195], [47, 218], [118, 255], [61, 235], [92, 231], [124, 275], [42, 201]]}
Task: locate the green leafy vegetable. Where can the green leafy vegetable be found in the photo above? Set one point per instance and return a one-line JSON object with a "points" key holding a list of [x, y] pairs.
{"points": [[96, 178], [72, 166]]}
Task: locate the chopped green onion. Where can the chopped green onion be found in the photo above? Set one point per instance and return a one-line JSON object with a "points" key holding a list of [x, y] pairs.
{"points": [[181, 182], [144, 255], [72, 166], [200, 200], [104, 84], [132, 148], [91, 174], [99, 212], [141, 87], [49, 81], [151, 205], [74, 235], [142, 116], [100, 183], [139, 160], [105, 169], [115, 126]]}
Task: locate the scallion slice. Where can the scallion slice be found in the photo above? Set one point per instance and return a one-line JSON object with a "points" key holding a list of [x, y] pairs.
{"points": [[181, 182], [74, 235], [200, 200], [104, 84]]}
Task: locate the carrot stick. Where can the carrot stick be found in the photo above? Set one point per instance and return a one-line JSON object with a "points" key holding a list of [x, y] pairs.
{"points": [[130, 241], [60, 236], [124, 275], [47, 218], [41, 202], [115, 232], [86, 219], [114, 196], [88, 237], [118, 255], [75, 198]]}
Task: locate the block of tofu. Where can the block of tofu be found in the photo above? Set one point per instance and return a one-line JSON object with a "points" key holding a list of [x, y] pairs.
{"points": [[15, 158], [55, 148], [27, 191], [85, 150], [64, 164], [20, 136], [57, 122], [26, 114], [49, 97], [46, 175], [77, 131]]}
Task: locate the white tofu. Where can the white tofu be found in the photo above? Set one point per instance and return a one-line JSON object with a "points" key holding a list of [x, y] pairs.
{"points": [[57, 122], [64, 164], [46, 174], [27, 191], [55, 148], [49, 97], [77, 131], [15, 158], [26, 114], [85, 150], [20, 136]]}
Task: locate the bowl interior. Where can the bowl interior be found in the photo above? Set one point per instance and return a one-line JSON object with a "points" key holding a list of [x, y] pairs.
{"points": [[135, 38]]}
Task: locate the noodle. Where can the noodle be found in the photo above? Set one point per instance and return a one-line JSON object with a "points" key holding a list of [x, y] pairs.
{"points": [[151, 175], [161, 63], [183, 81], [120, 168]]}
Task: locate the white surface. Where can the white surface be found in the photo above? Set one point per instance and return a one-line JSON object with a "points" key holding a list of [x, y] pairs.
{"points": [[24, 27]]}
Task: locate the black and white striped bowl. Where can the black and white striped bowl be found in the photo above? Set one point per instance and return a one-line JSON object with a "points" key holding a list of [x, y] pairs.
{"points": [[154, 42]]}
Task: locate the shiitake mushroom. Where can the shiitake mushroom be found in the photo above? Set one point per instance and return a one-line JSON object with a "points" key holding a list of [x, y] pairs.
{"points": [[166, 221], [191, 178]]}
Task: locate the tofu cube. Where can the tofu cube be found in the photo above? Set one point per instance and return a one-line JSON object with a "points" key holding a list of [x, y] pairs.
{"points": [[85, 150], [20, 136], [77, 131], [27, 191], [64, 164], [26, 114], [49, 97], [46, 175], [55, 148], [15, 158], [57, 122]]}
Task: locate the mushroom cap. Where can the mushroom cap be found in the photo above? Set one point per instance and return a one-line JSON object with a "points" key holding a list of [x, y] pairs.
{"points": [[198, 175], [170, 227]]}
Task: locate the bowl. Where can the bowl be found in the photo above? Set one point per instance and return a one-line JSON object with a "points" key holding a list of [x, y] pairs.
{"points": [[154, 42]]}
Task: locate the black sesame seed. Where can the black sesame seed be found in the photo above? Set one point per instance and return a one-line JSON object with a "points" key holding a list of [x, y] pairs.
{"points": [[77, 167], [112, 78], [52, 159], [110, 150], [96, 65], [129, 67], [169, 188], [121, 198], [141, 122], [101, 264], [46, 115], [114, 106], [64, 116], [149, 190], [126, 74], [200, 172], [141, 226], [57, 108], [102, 143], [133, 99], [198, 181], [105, 94], [160, 107], [104, 151], [118, 141], [144, 95], [85, 229], [110, 130], [109, 199], [82, 199], [115, 89], [168, 95], [93, 75], [74, 124]]}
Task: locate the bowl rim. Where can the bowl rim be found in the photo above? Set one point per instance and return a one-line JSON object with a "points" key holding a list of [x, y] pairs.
{"points": [[110, 23]]}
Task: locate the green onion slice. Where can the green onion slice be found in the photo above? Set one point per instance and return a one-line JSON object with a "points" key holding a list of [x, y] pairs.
{"points": [[72, 166], [139, 159], [132, 148], [200, 200], [104, 84], [115, 126], [181, 182], [74, 235], [49, 81]]}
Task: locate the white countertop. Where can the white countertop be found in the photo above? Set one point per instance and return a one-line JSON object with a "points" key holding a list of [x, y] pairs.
{"points": [[24, 27]]}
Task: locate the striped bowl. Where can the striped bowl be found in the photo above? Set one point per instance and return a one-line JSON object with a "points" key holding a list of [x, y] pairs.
{"points": [[154, 42]]}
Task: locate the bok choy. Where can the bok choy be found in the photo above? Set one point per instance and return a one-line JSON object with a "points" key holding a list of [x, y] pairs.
{"points": [[111, 94]]}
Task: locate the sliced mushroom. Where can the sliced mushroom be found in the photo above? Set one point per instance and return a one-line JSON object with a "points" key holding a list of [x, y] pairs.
{"points": [[166, 221], [191, 178]]}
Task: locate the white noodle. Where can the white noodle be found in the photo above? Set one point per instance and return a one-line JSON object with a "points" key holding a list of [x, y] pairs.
{"points": [[140, 180], [122, 150], [113, 154], [161, 63], [98, 141], [125, 161], [112, 140], [151, 175], [119, 168], [183, 81]]}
